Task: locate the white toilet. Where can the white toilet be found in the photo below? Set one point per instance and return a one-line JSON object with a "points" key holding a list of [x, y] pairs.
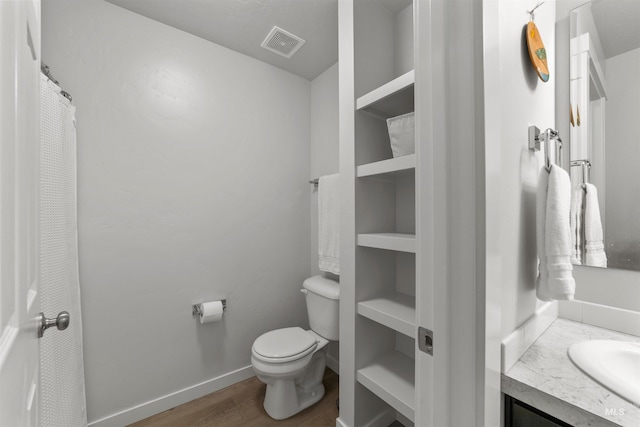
{"points": [[291, 361]]}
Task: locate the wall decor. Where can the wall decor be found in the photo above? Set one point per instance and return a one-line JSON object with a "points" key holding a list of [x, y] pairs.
{"points": [[537, 52]]}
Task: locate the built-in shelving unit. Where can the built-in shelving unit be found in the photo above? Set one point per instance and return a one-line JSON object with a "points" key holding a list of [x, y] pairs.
{"points": [[394, 310], [390, 167], [378, 319], [402, 218], [391, 99], [391, 378], [401, 242]]}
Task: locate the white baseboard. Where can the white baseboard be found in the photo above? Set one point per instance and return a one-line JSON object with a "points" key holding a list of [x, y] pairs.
{"points": [[333, 364], [519, 341], [155, 406], [603, 316], [383, 419]]}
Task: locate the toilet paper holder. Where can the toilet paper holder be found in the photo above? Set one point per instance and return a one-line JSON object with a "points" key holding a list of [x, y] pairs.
{"points": [[196, 311]]}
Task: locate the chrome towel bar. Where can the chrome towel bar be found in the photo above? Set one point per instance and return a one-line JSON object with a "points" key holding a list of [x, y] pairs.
{"points": [[586, 170]]}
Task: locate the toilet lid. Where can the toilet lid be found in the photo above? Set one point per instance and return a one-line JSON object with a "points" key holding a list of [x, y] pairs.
{"points": [[283, 345]]}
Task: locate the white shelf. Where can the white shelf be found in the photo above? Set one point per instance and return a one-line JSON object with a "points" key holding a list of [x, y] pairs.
{"points": [[400, 242], [389, 166], [391, 378], [391, 99], [393, 310]]}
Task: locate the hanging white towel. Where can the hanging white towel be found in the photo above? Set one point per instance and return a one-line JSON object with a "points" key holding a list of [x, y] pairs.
{"points": [[541, 216], [329, 223], [577, 224], [594, 246], [553, 236]]}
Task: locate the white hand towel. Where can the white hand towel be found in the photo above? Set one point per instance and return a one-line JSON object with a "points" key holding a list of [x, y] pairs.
{"points": [[556, 278], [595, 255], [577, 224], [329, 223], [541, 216]]}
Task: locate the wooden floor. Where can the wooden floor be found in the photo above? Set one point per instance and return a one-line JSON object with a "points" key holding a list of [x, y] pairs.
{"points": [[241, 405]]}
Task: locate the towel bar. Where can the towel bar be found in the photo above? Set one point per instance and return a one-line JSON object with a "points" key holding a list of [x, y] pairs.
{"points": [[586, 170]]}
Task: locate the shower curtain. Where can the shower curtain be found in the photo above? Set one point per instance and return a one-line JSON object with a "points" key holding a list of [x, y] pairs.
{"points": [[62, 391]]}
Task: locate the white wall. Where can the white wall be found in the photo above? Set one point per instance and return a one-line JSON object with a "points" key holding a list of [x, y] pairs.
{"points": [[515, 98], [324, 147], [193, 169], [403, 41]]}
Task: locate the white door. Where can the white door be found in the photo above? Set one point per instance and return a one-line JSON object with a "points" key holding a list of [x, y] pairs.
{"points": [[19, 195]]}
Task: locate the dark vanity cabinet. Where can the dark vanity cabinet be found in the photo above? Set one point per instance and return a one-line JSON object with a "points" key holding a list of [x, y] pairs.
{"points": [[519, 414]]}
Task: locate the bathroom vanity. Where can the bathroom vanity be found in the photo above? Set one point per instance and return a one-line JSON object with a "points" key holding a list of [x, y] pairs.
{"points": [[545, 385]]}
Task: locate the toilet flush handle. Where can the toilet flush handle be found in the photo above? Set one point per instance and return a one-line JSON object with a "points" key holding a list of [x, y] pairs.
{"points": [[304, 291]]}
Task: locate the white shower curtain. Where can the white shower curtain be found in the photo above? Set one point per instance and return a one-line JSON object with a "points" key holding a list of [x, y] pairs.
{"points": [[62, 388]]}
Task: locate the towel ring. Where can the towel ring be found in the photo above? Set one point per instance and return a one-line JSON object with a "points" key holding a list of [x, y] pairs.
{"points": [[547, 136]]}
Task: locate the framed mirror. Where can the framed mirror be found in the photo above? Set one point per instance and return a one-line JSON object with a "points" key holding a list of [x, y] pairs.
{"points": [[605, 127]]}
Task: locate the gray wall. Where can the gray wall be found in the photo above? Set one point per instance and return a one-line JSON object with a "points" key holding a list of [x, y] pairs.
{"points": [[193, 169], [324, 143], [323, 160]]}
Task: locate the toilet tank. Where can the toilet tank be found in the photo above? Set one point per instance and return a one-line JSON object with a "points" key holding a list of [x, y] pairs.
{"points": [[323, 304]]}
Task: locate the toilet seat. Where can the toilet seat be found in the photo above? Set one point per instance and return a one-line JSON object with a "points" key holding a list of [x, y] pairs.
{"points": [[283, 345]]}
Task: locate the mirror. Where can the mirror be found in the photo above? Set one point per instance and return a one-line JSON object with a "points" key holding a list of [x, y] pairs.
{"points": [[605, 124]]}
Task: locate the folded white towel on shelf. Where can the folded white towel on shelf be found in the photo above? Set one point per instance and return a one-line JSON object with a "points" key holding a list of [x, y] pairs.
{"points": [[553, 236], [594, 247], [329, 223], [576, 221]]}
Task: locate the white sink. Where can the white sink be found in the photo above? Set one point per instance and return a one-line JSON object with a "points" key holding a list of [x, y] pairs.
{"points": [[614, 364]]}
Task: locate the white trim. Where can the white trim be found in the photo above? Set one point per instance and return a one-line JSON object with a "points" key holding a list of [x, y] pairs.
{"points": [[602, 316], [584, 44], [7, 339], [347, 161], [490, 298], [383, 419], [171, 400], [519, 341], [31, 298]]}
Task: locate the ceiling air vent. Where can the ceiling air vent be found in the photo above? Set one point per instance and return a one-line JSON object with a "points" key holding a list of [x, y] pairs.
{"points": [[282, 42]]}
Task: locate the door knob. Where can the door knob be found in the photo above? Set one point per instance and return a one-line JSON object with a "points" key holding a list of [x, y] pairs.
{"points": [[61, 322]]}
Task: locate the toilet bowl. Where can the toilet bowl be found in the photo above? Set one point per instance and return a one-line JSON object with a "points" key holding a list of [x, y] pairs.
{"points": [[291, 361]]}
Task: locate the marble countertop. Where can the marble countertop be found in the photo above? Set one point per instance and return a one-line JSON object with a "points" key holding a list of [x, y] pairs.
{"points": [[545, 378]]}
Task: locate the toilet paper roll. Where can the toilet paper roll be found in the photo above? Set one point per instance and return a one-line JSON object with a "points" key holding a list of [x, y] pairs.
{"points": [[211, 311]]}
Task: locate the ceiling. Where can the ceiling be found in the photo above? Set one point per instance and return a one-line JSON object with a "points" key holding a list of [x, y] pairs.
{"points": [[618, 24], [241, 25]]}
